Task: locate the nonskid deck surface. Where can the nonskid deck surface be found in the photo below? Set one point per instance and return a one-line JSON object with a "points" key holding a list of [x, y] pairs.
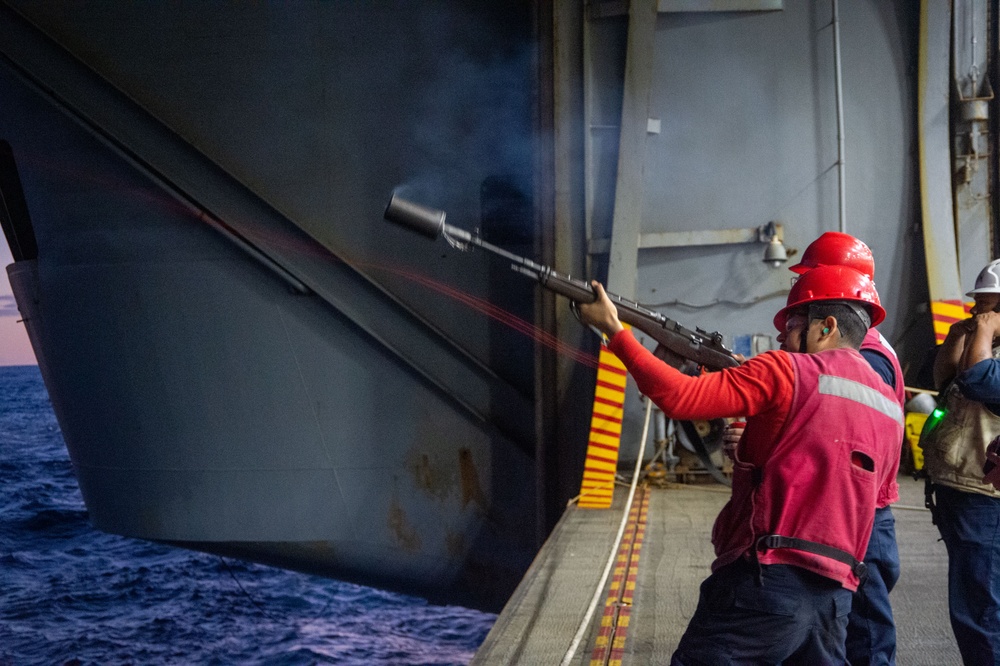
{"points": [[665, 560]]}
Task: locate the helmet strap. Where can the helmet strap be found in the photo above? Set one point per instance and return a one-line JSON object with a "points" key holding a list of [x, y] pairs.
{"points": [[805, 331], [861, 312]]}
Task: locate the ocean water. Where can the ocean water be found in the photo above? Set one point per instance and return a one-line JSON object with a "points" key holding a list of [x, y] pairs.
{"points": [[74, 596]]}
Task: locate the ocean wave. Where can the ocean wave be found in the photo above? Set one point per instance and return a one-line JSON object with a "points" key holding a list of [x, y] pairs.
{"points": [[77, 597]]}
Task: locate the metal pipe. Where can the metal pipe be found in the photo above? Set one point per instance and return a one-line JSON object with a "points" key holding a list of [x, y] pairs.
{"points": [[841, 178]]}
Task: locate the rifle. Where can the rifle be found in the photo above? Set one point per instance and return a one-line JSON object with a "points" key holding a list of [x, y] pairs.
{"points": [[701, 347]]}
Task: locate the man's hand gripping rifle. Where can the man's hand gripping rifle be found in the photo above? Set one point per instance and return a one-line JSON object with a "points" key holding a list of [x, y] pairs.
{"points": [[673, 340]]}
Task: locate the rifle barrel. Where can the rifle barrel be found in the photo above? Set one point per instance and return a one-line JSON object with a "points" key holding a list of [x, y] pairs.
{"points": [[700, 346]]}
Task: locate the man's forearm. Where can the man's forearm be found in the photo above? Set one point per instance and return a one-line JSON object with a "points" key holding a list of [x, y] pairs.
{"points": [[950, 354], [979, 344], [978, 348]]}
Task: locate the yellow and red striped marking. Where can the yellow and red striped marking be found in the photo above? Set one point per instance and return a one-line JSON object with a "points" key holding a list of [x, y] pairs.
{"points": [[946, 313], [609, 647], [598, 485]]}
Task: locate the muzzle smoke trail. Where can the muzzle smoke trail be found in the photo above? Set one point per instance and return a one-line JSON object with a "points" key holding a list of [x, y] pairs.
{"points": [[500, 315]]}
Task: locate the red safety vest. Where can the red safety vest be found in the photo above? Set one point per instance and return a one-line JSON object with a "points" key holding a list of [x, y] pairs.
{"points": [[874, 341], [815, 486]]}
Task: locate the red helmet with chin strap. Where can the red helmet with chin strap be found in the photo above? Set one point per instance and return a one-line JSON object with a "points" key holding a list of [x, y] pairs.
{"points": [[831, 283], [837, 249]]}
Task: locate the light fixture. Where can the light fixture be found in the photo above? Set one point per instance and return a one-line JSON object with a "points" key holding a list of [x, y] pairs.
{"points": [[774, 253], [771, 234]]}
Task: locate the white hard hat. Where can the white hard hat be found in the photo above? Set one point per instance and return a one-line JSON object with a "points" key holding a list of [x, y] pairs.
{"points": [[988, 280]]}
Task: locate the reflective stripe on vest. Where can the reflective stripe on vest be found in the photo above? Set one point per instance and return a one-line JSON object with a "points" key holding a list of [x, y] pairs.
{"points": [[865, 395]]}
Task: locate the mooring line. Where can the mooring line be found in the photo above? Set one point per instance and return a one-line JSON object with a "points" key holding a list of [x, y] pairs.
{"points": [[588, 616], [609, 647]]}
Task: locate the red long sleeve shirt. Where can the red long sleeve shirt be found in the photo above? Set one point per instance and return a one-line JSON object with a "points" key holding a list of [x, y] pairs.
{"points": [[761, 387], [785, 461]]}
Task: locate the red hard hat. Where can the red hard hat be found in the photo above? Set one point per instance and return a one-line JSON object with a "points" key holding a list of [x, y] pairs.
{"points": [[831, 283], [837, 249]]}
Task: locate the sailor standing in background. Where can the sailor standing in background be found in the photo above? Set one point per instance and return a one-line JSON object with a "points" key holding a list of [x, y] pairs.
{"points": [[966, 510], [871, 630], [781, 584]]}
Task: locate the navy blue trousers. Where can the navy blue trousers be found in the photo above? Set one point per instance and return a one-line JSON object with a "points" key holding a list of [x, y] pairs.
{"points": [[769, 614], [871, 631], [970, 528]]}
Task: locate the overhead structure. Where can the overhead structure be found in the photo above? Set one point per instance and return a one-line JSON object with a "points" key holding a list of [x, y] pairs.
{"points": [[955, 170], [972, 169]]}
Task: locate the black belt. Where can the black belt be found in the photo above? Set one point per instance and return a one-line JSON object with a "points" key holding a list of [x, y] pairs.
{"points": [[772, 541]]}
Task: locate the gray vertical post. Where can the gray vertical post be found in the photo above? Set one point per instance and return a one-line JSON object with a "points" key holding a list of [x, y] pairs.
{"points": [[626, 225]]}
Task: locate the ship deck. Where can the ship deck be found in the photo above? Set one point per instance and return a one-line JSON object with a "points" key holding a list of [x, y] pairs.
{"points": [[652, 589]]}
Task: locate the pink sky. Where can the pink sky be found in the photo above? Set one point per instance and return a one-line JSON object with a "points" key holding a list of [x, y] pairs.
{"points": [[14, 346]]}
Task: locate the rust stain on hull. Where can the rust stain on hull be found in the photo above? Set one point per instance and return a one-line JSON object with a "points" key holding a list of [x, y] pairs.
{"points": [[429, 477], [406, 536], [442, 480], [471, 490]]}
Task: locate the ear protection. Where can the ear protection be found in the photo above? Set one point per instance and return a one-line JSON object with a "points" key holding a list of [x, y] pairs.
{"points": [[826, 329]]}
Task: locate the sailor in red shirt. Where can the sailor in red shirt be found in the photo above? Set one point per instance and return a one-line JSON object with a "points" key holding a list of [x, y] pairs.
{"points": [[806, 475]]}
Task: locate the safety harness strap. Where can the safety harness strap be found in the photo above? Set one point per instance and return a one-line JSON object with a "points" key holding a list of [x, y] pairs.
{"points": [[929, 499], [772, 541]]}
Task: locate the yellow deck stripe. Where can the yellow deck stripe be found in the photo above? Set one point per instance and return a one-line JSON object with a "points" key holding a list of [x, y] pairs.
{"points": [[601, 466], [944, 314], [604, 391], [606, 439], [609, 644], [597, 485]]}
